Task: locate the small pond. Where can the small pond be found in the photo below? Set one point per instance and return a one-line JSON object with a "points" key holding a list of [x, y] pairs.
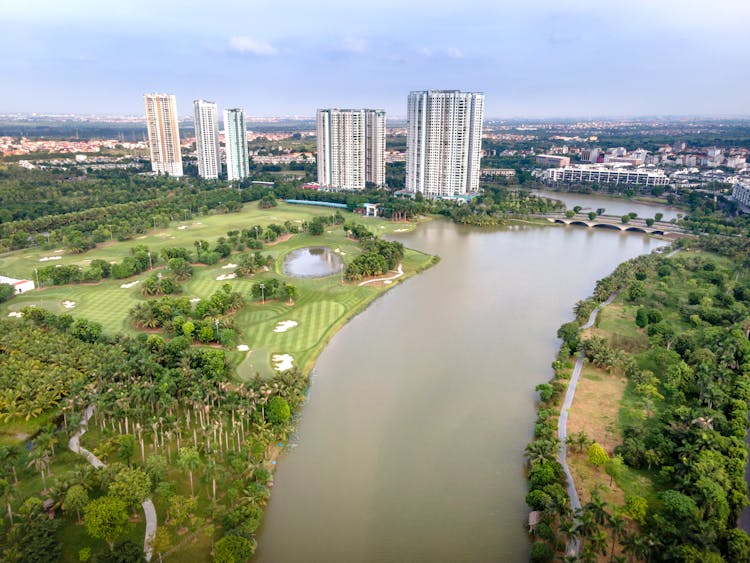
{"points": [[312, 262]]}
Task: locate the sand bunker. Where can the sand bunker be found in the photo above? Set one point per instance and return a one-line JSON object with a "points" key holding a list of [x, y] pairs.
{"points": [[243, 347], [400, 230], [47, 258], [282, 362], [229, 266], [223, 277], [283, 326], [182, 227], [195, 299], [129, 285], [69, 304], [17, 314]]}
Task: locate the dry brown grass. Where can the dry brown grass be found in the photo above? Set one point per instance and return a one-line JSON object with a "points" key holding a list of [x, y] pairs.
{"points": [[594, 411]]}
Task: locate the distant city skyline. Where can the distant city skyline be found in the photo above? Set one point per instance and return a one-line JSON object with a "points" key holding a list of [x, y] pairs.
{"points": [[539, 58]]}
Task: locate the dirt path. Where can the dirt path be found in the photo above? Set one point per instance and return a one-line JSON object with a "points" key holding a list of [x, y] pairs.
{"points": [[74, 444]]}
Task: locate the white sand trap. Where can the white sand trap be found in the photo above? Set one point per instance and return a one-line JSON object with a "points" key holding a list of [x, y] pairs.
{"points": [[387, 282], [17, 314], [182, 227], [48, 258], [229, 266], [58, 251], [400, 230], [198, 223], [141, 237], [195, 299], [129, 285], [69, 304], [337, 250], [283, 326], [243, 347], [382, 227], [282, 362], [223, 277]]}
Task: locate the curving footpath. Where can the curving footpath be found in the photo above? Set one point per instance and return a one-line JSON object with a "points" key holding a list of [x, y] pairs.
{"points": [[74, 445], [399, 273], [562, 421]]}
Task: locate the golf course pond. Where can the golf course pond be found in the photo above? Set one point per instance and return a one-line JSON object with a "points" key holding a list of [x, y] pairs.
{"points": [[312, 262]]}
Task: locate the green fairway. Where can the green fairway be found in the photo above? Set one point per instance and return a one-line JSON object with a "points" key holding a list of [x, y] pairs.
{"points": [[322, 306]]}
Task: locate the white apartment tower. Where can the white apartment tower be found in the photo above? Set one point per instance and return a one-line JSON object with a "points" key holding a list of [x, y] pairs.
{"points": [[207, 139], [235, 139], [351, 148], [163, 134], [444, 142]]}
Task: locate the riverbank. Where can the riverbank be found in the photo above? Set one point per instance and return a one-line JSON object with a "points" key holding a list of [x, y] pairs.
{"points": [[640, 426]]}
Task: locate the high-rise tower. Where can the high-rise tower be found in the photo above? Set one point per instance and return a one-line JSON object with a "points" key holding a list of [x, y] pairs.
{"points": [[163, 134], [351, 148], [207, 139], [444, 142], [235, 139]]}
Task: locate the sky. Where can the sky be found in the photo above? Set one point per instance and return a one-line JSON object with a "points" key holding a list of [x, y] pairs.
{"points": [[531, 58]]}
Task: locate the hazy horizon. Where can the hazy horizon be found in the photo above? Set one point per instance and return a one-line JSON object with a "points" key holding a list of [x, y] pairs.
{"points": [[584, 60]]}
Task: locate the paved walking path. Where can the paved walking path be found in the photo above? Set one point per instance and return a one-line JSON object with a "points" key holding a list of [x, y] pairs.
{"points": [[74, 444], [562, 421], [399, 273]]}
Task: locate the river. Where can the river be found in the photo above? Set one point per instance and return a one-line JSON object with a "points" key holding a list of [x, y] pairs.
{"points": [[411, 445], [618, 206]]}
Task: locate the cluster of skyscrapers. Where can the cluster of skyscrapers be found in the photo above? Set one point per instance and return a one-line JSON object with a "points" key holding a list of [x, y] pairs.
{"points": [[164, 138], [444, 143]]}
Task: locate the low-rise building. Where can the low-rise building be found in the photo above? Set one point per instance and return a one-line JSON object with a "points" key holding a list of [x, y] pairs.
{"points": [[603, 175], [20, 286], [553, 160]]}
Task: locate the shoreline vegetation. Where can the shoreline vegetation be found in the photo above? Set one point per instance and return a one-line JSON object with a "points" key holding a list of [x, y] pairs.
{"points": [[657, 426], [180, 416]]}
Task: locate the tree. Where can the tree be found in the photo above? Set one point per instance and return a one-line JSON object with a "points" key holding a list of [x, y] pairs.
{"points": [[592, 215], [161, 542], [189, 460], [131, 486], [233, 549], [541, 551], [180, 268], [6, 292], [76, 499], [625, 219], [106, 518], [278, 410], [39, 459], [658, 216], [613, 467], [597, 455]]}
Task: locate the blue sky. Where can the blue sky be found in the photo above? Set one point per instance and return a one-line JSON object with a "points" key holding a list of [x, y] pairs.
{"points": [[531, 58]]}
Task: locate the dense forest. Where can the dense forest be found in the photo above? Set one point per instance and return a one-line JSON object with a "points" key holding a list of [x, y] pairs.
{"points": [[169, 423]]}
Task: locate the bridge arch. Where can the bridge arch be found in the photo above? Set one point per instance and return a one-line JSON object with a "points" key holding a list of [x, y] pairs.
{"points": [[607, 226], [636, 230]]}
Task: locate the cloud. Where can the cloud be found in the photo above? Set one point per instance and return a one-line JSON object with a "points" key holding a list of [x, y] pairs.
{"points": [[424, 52], [248, 45], [454, 53]]}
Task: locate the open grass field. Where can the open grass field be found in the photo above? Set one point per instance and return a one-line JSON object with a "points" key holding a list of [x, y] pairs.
{"points": [[322, 307]]}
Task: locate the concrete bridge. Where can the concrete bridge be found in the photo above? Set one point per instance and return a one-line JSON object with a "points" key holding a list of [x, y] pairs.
{"points": [[615, 223]]}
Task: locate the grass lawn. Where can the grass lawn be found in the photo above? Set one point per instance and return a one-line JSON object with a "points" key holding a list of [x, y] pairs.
{"points": [[323, 305]]}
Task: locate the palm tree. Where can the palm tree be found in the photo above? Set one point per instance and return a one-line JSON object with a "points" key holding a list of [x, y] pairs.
{"points": [[8, 494], [617, 525], [189, 460], [8, 460], [540, 451], [40, 459]]}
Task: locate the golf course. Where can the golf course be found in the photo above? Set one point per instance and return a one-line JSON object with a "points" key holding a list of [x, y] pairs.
{"points": [[322, 305]]}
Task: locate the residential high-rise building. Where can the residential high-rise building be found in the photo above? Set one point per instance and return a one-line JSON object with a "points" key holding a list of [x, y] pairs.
{"points": [[163, 134], [207, 139], [351, 148], [235, 140], [444, 142]]}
